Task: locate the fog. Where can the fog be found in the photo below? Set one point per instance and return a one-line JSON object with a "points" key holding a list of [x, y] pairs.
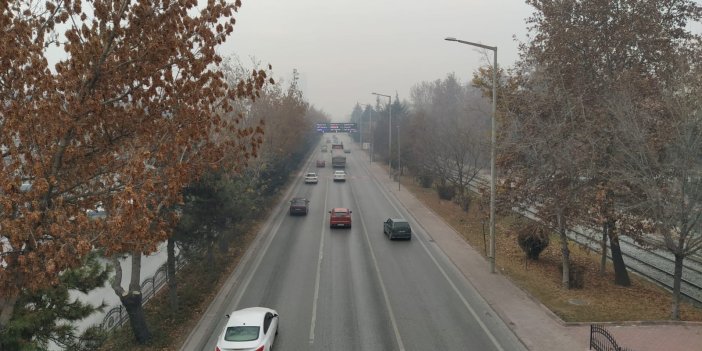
{"points": [[344, 50]]}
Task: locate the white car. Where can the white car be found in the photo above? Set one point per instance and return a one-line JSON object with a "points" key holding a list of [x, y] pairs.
{"points": [[250, 329], [311, 177], [339, 176]]}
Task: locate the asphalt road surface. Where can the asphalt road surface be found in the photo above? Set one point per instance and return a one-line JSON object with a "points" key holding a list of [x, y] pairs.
{"points": [[353, 289]]}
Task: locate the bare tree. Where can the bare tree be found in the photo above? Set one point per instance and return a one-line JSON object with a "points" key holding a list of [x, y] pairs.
{"points": [[450, 133], [540, 155], [660, 158]]}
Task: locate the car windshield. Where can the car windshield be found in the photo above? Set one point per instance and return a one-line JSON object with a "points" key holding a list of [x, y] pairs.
{"points": [[311, 175], [298, 202], [402, 225], [241, 333]]}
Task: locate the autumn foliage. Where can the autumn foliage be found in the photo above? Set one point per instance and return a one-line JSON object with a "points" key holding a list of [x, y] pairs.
{"points": [[130, 111]]}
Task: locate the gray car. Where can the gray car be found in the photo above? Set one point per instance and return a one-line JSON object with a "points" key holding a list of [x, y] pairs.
{"points": [[397, 228]]}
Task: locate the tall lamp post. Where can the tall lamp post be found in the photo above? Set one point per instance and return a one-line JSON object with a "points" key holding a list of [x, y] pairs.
{"points": [[370, 121], [492, 146], [389, 126], [399, 160], [360, 129]]}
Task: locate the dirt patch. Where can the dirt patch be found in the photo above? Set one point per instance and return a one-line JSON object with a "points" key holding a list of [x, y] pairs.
{"points": [[598, 301]]}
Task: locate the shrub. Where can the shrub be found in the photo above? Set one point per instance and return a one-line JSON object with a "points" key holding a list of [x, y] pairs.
{"points": [[576, 275], [446, 192], [426, 181], [533, 239]]}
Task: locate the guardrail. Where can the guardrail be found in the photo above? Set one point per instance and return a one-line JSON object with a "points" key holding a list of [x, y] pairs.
{"points": [[117, 315], [654, 265]]}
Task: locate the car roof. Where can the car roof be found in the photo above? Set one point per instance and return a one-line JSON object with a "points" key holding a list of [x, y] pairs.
{"points": [[299, 199], [398, 220], [339, 171], [340, 209], [248, 316]]}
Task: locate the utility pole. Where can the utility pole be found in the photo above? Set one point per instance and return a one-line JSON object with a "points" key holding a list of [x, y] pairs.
{"points": [[399, 160], [493, 143], [389, 127]]}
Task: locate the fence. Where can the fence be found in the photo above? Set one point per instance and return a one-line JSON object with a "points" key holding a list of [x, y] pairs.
{"points": [[602, 340], [117, 316]]}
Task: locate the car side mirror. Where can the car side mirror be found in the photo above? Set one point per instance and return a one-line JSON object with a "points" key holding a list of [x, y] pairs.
{"points": [[350, 211], [329, 211], [275, 316], [226, 315]]}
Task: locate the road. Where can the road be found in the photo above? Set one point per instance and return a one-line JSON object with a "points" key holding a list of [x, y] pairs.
{"points": [[353, 289]]}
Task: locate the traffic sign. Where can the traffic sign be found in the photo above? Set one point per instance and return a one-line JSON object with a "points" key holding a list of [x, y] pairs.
{"points": [[336, 127]]}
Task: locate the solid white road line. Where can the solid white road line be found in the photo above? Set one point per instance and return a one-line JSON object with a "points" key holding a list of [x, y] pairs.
{"points": [[448, 279], [319, 265]]}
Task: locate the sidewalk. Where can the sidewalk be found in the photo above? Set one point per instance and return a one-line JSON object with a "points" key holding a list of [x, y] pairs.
{"points": [[536, 326]]}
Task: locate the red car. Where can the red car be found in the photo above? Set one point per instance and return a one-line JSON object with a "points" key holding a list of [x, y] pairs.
{"points": [[340, 217], [321, 163]]}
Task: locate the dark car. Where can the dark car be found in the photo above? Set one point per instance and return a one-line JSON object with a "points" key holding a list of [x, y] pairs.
{"points": [[396, 228], [321, 163], [299, 206]]}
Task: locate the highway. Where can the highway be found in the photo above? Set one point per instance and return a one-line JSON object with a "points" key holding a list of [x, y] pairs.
{"points": [[353, 289]]}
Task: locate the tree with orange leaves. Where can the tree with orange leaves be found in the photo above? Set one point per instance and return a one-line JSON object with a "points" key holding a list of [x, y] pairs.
{"points": [[121, 121]]}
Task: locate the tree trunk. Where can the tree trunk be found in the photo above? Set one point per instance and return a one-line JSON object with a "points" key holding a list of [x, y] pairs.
{"points": [[209, 257], [621, 277], [7, 309], [677, 277], [137, 318], [603, 250], [565, 252], [172, 282], [132, 299]]}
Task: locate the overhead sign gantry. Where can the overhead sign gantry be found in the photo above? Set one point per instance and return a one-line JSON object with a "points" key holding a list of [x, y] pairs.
{"points": [[336, 127]]}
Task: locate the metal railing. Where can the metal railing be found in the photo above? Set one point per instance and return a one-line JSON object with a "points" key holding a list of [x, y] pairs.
{"points": [[602, 340], [117, 315], [651, 268]]}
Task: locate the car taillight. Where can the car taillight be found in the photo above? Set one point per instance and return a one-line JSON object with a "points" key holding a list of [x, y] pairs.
{"points": [[217, 348], [260, 348]]}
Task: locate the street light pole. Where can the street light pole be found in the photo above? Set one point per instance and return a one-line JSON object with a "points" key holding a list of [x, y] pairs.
{"points": [[360, 129], [493, 142], [389, 127], [370, 137], [399, 160]]}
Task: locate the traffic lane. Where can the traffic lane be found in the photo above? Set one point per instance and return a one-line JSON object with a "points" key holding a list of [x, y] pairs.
{"points": [[426, 308], [432, 303], [284, 280], [351, 311]]}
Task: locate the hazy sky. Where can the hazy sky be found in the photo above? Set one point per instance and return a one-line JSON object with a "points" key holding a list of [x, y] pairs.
{"points": [[346, 49]]}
